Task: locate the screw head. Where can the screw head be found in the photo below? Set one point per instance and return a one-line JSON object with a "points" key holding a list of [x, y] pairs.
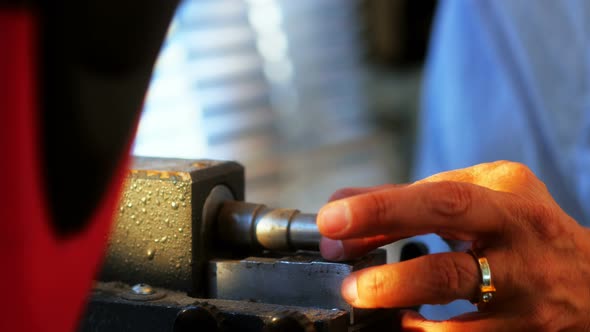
{"points": [[199, 317], [289, 321], [142, 289], [142, 292]]}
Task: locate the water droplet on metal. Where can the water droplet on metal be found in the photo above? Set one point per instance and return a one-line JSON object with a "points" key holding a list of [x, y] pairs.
{"points": [[150, 253]]}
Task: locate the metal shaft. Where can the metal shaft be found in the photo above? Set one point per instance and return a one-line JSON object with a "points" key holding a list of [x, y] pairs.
{"points": [[250, 225]]}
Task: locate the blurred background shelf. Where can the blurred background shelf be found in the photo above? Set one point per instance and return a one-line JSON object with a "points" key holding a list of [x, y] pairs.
{"points": [[309, 95]]}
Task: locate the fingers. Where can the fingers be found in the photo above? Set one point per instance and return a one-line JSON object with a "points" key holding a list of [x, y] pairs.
{"points": [[502, 175], [430, 279], [337, 250], [454, 210], [474, 321]]}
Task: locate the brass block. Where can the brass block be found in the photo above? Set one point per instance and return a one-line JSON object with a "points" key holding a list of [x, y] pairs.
{"points": [[158, 236]]}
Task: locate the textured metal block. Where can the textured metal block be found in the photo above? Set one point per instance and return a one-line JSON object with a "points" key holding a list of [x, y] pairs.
{"points": [[110, 311], [159, 235], [304, 280]]}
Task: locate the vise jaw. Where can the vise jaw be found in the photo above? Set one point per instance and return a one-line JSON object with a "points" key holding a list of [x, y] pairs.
{"points": [[192, 248]]}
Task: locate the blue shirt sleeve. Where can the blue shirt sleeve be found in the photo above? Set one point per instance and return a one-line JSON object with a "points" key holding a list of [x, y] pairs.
{"points": [[510, 79]]}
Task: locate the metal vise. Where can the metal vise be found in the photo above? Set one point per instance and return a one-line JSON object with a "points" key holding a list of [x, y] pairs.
{"points": [[187, 254]]}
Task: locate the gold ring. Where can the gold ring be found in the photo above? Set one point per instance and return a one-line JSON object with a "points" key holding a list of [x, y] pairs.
{"points": [[486, 287]]}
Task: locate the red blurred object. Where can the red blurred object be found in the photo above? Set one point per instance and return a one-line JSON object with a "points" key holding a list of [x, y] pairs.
{"points": [[44, 279], [47, 270]]}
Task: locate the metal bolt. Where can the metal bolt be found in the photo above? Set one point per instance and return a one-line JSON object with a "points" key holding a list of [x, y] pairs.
{"points": [[143, 289], [143, 292]]}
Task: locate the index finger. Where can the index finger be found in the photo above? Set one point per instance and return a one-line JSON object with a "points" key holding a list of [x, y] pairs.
{"points": [[455, 210]]}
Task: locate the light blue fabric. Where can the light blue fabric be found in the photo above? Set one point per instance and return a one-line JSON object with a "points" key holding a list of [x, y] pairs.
{"points": [[510, 79]]}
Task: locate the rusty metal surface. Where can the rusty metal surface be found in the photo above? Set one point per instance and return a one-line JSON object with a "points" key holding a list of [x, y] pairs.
{"points": [[109, 310], [158, 236]]}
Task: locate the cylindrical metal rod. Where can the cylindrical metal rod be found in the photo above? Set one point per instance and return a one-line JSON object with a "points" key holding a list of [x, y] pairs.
{"points": [[255, 226], [304, 232]]}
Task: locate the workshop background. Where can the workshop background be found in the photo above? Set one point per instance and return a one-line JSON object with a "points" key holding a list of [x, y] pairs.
{"points": [[309, 95]]}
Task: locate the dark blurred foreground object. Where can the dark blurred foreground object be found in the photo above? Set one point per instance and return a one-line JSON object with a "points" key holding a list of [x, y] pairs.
{"points": [[188, 254], [72, 79], [397, 31]]}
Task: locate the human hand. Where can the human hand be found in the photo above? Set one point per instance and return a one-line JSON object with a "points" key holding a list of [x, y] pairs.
{"points": [[538, 255]]}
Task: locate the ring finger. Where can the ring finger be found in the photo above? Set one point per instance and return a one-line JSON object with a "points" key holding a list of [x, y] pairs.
{"points": [[430, 279]]}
